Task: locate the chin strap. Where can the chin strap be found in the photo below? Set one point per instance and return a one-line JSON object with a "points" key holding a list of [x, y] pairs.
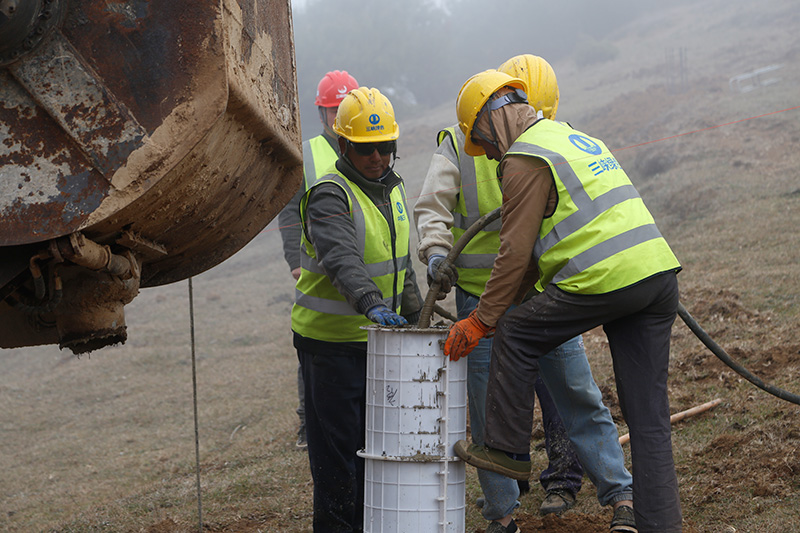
{"points": [[518, 96]]}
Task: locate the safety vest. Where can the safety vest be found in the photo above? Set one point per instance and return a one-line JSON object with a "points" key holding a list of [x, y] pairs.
{"points": [[601, 236], [320, 311], [318, 157], [480, 194]]}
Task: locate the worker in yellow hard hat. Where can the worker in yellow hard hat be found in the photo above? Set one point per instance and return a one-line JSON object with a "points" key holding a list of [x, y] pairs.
{"points": [[356, 270], [457, 191], [576, 229], [319, 153]]}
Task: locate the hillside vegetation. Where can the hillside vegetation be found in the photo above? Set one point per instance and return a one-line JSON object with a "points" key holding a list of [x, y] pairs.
{"points": [[106, 442]]}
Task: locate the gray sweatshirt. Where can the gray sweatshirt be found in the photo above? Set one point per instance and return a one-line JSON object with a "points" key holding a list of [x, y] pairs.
{"points": [[333, 233]]}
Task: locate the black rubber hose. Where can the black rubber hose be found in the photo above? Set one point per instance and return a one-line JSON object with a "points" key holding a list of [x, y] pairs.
{"points": [[433, 291], [717, 350]]}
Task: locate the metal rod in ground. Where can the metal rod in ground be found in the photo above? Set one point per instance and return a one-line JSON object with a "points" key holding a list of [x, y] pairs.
{"points": [[677, 417], [194, 403]]}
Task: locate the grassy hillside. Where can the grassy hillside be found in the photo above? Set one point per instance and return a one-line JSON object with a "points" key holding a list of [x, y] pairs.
{"points": [[106, 442]]}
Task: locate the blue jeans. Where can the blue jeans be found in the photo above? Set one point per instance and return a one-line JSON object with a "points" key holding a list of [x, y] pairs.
{"points": [[567, 369]]}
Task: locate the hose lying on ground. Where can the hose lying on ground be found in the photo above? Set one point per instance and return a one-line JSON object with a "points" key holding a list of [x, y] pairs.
{"points": [[717, 350], [430, 304]]}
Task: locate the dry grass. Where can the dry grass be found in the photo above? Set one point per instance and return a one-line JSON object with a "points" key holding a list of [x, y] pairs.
{"points": [[106, 442]]}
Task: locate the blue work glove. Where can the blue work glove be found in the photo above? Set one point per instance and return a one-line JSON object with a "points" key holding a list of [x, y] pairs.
{"points": [[385, 316], [444, 273]]}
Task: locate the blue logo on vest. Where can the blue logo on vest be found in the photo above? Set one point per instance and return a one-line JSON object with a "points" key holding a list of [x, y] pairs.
{"points": [[374, 118], [585, 144], [400, 216]]}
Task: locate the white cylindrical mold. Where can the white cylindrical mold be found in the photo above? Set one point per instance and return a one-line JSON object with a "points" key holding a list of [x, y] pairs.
{"points": [[416, 410], [403, 496]]}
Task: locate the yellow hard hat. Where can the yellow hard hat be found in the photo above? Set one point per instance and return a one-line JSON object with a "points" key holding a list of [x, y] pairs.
{"points": [[365, 116], [473, 95], [540, 78]]}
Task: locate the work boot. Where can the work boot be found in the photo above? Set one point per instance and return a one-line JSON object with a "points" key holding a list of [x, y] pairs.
{"points": [[301, 442], [623, 521], [493, 460], [556, 502], [497, 527]]}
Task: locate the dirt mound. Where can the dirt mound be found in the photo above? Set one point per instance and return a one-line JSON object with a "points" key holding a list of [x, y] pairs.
{"points": [[571, 522]]}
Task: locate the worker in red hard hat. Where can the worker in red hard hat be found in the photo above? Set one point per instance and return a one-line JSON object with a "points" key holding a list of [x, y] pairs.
{"points": [[319, 153], [332, 89]]}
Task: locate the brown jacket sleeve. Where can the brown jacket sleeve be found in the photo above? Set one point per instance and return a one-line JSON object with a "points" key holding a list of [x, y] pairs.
{"points": [[528, 194]]}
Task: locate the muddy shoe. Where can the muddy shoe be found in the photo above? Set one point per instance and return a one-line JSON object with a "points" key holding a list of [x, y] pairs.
{"points": [[493, 460], [301, 443], [556, 502], [497, 527], [623, 521]]}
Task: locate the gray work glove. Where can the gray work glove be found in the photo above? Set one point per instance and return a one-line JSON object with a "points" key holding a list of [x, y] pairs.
{"points": [[444, 273]]}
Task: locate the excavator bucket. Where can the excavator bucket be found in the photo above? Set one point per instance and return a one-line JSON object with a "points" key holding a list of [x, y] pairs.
{"points": [[141, 143]]}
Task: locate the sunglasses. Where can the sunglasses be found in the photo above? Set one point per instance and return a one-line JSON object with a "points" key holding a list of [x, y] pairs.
{"points": [[384, 148]]}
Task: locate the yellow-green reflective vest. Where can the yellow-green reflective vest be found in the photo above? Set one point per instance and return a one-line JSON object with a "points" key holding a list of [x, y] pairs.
{"points": [[318, 157], [320, 311], [480, 194], [601, 236]]}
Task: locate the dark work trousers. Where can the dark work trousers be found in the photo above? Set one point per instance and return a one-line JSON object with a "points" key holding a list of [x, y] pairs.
{"points": [[637, 321], [335, 391], [563, 470]]}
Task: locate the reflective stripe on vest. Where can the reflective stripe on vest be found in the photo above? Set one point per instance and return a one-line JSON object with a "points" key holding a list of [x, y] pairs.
{"points": [[321, 311], [318, 157], [480, 194], [601, 237]]}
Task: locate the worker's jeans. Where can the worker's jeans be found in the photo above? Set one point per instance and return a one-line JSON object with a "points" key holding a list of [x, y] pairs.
{"points": [[564, 471], [637, 321]]}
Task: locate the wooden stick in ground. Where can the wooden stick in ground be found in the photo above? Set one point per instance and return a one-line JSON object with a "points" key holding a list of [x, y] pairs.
{"points": [[677, 417]]}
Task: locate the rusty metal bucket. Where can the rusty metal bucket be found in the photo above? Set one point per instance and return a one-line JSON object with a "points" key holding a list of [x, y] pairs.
{"points": [[167, 131]]}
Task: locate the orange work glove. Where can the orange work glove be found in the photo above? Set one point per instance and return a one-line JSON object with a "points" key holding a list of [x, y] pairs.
{"points": [[464, 336]]}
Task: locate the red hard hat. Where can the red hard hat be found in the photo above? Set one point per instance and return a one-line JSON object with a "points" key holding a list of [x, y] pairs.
{"points": [[333, 87]]}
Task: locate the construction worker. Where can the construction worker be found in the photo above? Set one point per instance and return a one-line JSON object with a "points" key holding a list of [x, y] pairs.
{"points": [[356, 269], [458, 190], [319, 153], [575, 226]]}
